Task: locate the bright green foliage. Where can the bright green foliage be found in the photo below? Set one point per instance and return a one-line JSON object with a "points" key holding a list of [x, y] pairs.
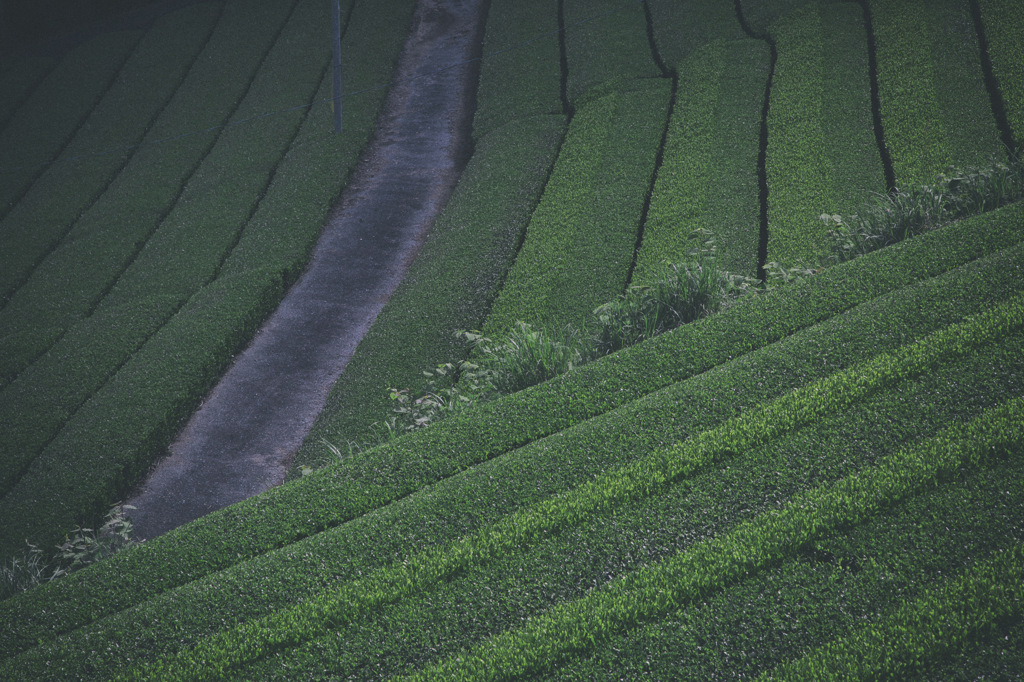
{"points": [[607, 50], [142, 89], [41, 127], [705, 567], [708, 177], [946, 617], [524, 80], [385, 477], [580, 240], [709, 566], [311, 174], [681, 27], [821, 144], [1003, 21], [450, 286], [935, 108]]}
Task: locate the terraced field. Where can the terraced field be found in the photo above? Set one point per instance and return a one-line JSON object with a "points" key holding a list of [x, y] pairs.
{"points": [[822, 480]]}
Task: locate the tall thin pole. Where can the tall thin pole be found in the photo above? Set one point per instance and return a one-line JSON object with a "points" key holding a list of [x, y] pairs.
{"points": [[336, 102]]}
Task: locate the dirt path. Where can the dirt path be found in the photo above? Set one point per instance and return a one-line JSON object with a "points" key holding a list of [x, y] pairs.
{"points": [[241, 440]]}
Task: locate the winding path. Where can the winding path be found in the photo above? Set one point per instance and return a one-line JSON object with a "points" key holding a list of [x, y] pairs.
{"points": [[242, 439]]}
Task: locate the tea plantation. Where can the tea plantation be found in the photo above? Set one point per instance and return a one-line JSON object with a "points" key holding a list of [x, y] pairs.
{"points": [[822, 480]]}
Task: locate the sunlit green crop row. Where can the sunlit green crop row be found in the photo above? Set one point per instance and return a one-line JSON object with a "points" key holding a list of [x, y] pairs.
{"points": [[714, 564], [646, 477]]}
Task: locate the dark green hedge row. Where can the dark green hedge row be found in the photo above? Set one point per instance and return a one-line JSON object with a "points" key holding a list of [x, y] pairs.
{"points": [[681, 27], [822, 155], [547, 466], [18, 80], [449, 287], [57, 108], [106, 239], [64, 289], [495, 546], [1003, 22], [142, 89], [317, 154], [191, 243], [935, 108], [708, 177], [946, 617], [609, 48], [523, 80], [580, 241]]}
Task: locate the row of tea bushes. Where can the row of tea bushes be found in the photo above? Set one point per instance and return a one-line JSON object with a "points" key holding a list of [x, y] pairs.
{"points": [[242, 300], [70, 285], [145, 84], [707, 182], [49, 118], [491, 595], [518, 80], [934, 104], [822, 156], [847, 503], [344, 492], [712, 565], [581, 238]]}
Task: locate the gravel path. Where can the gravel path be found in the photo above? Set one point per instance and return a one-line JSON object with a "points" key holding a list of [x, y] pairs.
{"points": [[242, 439]]}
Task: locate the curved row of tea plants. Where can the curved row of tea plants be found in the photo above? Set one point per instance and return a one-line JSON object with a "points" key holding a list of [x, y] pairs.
{"points": [[116, 433], [66, 288], [713, 565], [822, 154], [143, 89], [19, 78], [934, 104], [581, 238], [385, 474], [947, 616], [39, 130]]}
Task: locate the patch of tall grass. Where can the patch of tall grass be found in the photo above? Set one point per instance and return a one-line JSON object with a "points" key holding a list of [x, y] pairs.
{"points": [[907, 212]]}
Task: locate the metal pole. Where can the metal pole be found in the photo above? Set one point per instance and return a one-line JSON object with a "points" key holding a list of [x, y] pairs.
{"points": [[336, 102]]}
